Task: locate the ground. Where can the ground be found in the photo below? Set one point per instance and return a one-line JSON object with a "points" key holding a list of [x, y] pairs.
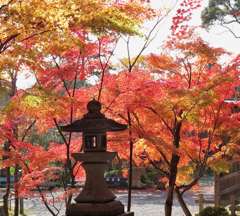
{"points": [[144, 202]]}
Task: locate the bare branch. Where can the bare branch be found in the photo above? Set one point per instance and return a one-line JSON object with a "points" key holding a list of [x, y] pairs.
{"points": [[61, 78], [60, 132], [230, 30], [28, 129], [5, 44], [104, 66], [161, 118], [5, 5]]}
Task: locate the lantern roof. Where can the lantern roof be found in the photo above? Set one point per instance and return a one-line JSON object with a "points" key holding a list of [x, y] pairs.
{"points": [[94, 121]]}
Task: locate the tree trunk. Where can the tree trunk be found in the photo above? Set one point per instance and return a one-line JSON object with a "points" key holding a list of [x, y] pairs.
{"points": [[171, 187], [182, 203], [21, 206], [6, 172], [16, 200], [16, 206], [130, 164], [7, 193], [173, 169]]}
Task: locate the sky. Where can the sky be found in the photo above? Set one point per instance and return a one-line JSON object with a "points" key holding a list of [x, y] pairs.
{"points": [[216, 36]]}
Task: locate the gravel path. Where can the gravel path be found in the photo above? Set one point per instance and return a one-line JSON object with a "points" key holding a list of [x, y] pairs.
{"points": [[144, 203]]}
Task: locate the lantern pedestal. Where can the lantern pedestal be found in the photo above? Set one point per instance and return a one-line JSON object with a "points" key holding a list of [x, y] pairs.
{"points": [[96, 199], [113, 208]]}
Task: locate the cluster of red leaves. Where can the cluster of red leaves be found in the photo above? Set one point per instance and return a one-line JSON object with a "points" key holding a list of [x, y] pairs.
{"points": [[34, 161], [180, 28], [194, 90]]}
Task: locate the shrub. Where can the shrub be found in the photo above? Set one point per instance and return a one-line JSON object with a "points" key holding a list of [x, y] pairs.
{"points": [[213, 211]]}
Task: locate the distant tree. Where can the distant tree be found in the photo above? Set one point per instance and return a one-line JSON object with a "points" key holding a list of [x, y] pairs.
{"points": [[223, 12]]}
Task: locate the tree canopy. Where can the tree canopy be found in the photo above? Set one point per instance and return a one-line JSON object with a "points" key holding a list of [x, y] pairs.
{"points": [[173, 101], [223, 12]]}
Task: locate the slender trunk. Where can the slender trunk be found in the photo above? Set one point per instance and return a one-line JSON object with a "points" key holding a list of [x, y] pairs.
{"points": [[182, 203], [16, 206], [171, 187], [45, 202], [130, 179], [130, 174], [21, 206], [41, 194], [16, 174], [7, 149], [7, 193], [6, 172], [173, 169], [16, 200]]}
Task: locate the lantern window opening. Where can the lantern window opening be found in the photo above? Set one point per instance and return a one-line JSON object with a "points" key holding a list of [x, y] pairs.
{"points": [[94, 144]]}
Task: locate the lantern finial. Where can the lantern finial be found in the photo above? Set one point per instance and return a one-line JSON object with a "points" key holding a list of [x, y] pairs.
{"points": [[94, 106]]}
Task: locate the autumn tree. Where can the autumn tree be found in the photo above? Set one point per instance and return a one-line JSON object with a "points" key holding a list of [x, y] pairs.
{"points": [[181, 123], [223, 13], [51, 21], [172, 101], [62, 45], [200, 116], [8, 90]]}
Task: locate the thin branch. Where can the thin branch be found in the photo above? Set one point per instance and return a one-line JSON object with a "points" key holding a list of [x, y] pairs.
{"points": [[5, 5], [153, 163], [230, 30], [35, 34], [128, 54], [156, 142], [28, 129], [130, 161], [60, 132], [148, 40], [138, 120], [199, 175], [104, 67], [210, 135], [162, 119], [61, 78], [53, 203], [4, 45]]}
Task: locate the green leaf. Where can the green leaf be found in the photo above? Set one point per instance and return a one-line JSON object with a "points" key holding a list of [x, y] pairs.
{"points": [[12, 171]]}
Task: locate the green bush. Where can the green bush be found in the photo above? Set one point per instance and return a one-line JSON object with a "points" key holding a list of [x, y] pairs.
{"points": [[112, 173], [213, 211]]}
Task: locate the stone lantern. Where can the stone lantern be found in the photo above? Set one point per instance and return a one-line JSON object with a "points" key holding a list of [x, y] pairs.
{"points": [[95, 199]]}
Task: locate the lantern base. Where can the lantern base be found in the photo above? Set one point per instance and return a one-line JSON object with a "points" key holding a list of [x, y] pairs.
{"points": [[127, 214], [113, 208]]}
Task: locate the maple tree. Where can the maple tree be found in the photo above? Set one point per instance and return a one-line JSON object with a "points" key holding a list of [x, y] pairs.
{"points": [[51, 21], [190, 83], [62, 46], [173, 102], [180, 122]]}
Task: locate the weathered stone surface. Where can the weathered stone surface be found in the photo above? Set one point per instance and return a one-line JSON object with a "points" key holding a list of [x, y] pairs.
{"points": [[114, 208], [127, 214], [95, 189], [94, 157]]}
